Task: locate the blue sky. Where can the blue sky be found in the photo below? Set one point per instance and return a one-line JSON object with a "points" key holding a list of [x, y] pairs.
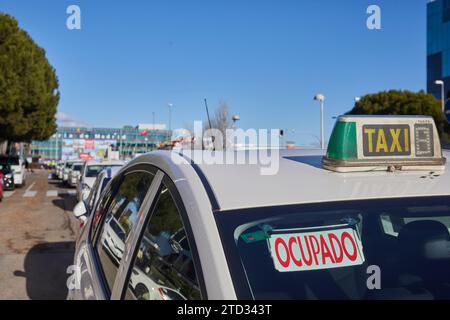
{"points": [[266, 59]]}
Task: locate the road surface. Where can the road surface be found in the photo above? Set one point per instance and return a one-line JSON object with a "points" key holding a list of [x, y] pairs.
{"points": [[37, 233]]}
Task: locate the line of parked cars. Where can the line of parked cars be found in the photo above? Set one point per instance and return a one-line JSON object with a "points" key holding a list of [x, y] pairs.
{"points": [[82, 174]]}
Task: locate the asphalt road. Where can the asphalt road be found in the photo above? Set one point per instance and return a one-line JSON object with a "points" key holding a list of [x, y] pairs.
{"points": [[37, 234]]}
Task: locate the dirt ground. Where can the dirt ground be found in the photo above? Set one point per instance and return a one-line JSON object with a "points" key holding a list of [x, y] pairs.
{"points": [[37, 234]]}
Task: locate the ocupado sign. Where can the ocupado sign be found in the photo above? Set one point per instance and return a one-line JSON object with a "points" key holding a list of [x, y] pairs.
{"points": [[316, 250]]}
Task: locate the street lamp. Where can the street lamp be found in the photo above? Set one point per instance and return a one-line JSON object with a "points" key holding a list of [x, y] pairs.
{"points": [[235, 119], [321, 99], [442, 84]]}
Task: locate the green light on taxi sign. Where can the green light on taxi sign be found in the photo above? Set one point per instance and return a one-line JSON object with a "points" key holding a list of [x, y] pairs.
{"points": [[342, 144], [367, 143]]}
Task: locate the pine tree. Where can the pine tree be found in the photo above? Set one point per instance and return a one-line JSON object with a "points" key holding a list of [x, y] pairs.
{"points": [[28, 86]]}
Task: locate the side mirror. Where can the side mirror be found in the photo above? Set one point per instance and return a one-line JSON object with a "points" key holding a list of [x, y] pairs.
{"points": [[80, 210], [85, 191], [85, 194]]}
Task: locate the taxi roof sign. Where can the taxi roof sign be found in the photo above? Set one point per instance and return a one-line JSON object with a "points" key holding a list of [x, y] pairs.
{"points": [[367, 143]]}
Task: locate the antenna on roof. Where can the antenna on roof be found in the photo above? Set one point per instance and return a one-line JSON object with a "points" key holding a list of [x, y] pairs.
{"points": [[207, 114], [209, 121]]}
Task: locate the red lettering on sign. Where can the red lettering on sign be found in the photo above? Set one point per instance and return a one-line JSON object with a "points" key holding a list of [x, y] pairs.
{"points": [[325, 251], [284, 263], [334, 241], [346, 235], [293, 241], [308, 261], [315, 249]]}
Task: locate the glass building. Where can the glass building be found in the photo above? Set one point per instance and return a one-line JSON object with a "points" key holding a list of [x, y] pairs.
{"points": [[438, 46], [92, 143]]}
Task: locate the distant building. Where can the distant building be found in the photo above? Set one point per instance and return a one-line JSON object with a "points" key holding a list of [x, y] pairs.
{"points": [[93, 143], [438, 46]]}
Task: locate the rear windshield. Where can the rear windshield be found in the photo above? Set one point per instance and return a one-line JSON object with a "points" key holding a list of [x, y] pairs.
{"points": [[69, 165], [77, 167], [5, 169], [94, 170], [12, 161], [377, 249]]}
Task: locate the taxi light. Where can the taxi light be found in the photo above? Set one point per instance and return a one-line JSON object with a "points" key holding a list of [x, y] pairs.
{"points": [[368, 143]]}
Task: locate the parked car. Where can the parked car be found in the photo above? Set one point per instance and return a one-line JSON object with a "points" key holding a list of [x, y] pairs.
{"points": [[59, 170], [185, 228], [7, 177], [89, 174], [100, 183], [75, 174], [17, 166], [68, 165]]}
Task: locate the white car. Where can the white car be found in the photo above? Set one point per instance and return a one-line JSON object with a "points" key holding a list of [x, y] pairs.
{"points": [[317, 228], [17, 166], [91, 170], [75, 174], [68, 166], [59, 170], [84, 207], [100, 183]]}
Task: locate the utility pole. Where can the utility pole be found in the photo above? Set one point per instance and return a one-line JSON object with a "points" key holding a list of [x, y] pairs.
{"points": [[321, 99]]}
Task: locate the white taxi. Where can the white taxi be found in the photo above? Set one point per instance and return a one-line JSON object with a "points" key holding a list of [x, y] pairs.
{"points": [[75, 174], [368, 219], [89, 173], [67, 169]]}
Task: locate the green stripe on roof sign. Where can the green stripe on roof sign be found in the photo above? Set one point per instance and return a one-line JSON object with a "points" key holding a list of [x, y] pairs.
{"points": [[342, 145]]}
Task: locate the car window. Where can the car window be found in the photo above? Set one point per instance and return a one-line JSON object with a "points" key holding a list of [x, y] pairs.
{"points": [[163, 268], [93, 197], [93, 171], [101, 207], [12, 161], [326, 250], [93, 194], [119, 220], [77, 167]]}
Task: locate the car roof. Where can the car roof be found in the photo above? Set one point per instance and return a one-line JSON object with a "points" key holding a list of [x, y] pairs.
{"points": [[105, 163], [109, 172], [301, 179]]}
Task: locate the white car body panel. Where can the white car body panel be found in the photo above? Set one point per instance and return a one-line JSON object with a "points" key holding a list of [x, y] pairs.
{"points": [[300, 179]]}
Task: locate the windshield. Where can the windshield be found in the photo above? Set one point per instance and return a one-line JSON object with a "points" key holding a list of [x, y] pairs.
{"points": [[69, 165], [77, 167], [94, 170], [5, 169], [12, 161], [372, 249]]}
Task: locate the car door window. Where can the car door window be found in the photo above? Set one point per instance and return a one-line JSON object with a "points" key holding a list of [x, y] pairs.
{"points": [[118, 222], [92, 195], [163, 268]]}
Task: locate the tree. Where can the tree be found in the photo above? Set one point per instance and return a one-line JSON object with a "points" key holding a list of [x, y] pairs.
{"points": [[221, 120], [395, 102], [28, 86]]}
